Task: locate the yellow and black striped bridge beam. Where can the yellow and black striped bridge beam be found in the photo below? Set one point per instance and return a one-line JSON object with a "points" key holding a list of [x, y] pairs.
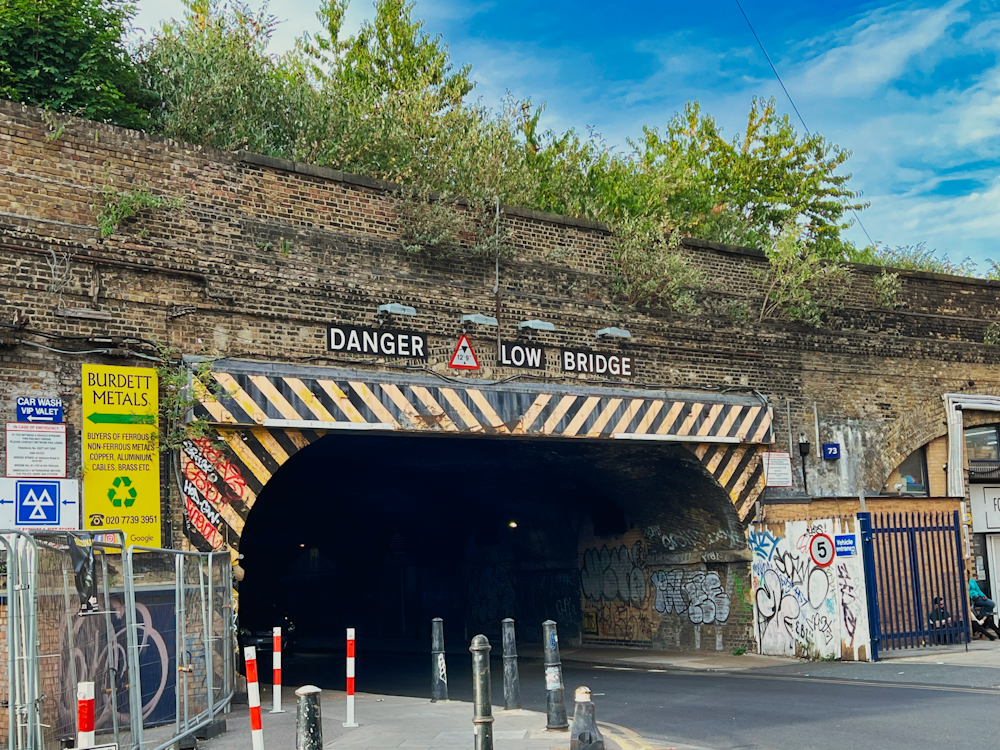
{"points": [[266, 413]]}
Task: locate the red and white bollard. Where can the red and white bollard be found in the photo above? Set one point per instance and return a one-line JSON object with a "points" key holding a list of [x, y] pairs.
{"points": [[350, 679], [253, 695], [276, 683], [85, 714]]}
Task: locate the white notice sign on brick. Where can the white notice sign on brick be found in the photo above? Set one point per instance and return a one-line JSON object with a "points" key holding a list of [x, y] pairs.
{"points": [[777, 469], [36, 450]]}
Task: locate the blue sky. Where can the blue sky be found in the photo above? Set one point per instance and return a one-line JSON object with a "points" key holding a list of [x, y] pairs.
{"points": [[912, 88]]}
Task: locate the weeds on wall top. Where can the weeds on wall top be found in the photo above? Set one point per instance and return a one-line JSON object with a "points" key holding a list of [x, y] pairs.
{"points": [[887, 286], [799, 284], [651, 269], [115, 206], [435, 224]]}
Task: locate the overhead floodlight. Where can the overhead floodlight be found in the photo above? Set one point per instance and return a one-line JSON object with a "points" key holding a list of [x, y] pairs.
{"points": [[536, 325], [480, 320], [613, 333], [394, 308]]}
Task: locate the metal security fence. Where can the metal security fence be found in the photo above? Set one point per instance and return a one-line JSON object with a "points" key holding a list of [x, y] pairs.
{"points": [[151, 628], [919, 598]]}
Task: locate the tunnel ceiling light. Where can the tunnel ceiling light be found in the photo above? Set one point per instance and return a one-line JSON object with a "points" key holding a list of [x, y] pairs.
{"points": [[480, 320], [394, 308], [613, 333], [536, 325]]}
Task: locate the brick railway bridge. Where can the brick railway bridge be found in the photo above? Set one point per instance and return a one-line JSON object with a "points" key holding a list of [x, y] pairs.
{"points": [[603, 481]]}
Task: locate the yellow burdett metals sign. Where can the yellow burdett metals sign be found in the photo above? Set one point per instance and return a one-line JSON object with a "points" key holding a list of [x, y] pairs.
{"points": [[121, 454]]}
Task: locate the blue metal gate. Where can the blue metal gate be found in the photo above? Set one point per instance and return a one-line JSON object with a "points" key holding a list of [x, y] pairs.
{"points": [[914, 568]]}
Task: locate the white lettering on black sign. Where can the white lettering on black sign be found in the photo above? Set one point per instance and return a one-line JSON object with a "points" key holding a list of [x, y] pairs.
{"points": [[376, 341], [595, 363], [522, 354]]}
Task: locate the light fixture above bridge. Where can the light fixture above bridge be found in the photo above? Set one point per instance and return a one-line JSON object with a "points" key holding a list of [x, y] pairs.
{"points": [[394, 308], [536, 325], [480, 320], [613, 333]]}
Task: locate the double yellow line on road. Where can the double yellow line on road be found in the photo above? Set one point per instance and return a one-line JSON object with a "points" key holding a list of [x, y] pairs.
{"points": [[627, 739]]}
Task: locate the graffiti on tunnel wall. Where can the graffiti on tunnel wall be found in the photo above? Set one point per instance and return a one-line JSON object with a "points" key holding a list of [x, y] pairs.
{"points": [[626, 596], [801, 607]]}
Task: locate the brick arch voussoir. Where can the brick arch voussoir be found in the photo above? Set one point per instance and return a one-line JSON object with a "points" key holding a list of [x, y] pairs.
{"points": [[919, 427]]}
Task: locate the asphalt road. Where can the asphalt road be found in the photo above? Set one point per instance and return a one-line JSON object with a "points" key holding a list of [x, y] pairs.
{"points": [[814, 706]]}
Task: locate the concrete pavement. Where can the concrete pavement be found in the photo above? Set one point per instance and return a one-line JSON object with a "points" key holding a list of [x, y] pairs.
{"points": [[401, 722]]}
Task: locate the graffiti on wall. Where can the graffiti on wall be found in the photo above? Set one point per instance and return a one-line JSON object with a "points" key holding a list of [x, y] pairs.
{"points": [[698, 594], [210, 484], [625, 597], [802, 608]]}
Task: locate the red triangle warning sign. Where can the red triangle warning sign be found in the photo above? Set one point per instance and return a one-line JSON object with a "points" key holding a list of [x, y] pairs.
{"points": [[464, 358]]}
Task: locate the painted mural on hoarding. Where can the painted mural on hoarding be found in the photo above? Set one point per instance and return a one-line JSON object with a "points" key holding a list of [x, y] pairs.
{"points": [[93, 654], [809, 592]]}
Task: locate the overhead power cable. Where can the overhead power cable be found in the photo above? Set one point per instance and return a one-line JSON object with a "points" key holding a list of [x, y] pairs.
{"points": [[791, 101]]}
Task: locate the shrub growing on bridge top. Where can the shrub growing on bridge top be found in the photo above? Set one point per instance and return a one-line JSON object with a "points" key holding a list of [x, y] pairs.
{"points": [[388, 103]]}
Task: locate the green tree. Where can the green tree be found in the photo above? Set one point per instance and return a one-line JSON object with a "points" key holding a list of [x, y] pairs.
{"points": [[218, 85], [69, 56], [744, 190]]}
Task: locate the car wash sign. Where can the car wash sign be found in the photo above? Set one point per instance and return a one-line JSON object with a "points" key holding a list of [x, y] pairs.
{"points": [[376, 342]]}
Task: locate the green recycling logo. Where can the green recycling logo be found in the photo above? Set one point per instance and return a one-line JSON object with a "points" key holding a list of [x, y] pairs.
{"points": [[122, 490]]}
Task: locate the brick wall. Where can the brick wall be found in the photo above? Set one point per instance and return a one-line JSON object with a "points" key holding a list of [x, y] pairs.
{"points": [[848, 506], [265, 253]]}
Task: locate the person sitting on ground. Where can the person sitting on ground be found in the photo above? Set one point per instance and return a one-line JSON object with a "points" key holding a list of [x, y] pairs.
{"points": [[980, 625], [940, 618], [979, 599]]}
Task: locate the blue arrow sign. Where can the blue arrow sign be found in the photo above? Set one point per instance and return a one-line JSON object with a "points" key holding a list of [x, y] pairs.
{"points": [[6, 502], [41, 409]]}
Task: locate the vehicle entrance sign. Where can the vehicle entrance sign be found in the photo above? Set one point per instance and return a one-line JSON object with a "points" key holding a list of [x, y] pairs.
{"points": [[464, 358], [36, 450]]}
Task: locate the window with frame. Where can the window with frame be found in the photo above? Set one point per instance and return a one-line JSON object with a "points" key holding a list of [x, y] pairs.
{"points": [[913, 473], [981, 443]]}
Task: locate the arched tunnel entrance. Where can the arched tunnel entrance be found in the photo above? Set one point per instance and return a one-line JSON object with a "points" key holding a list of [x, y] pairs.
{"points": [[620, 542]]}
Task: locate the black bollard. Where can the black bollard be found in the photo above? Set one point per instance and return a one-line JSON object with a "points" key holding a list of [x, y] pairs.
{"points": [[439, 669], [482, 716], [584, 734], [511, 679], [308, 719], [555, 702]]}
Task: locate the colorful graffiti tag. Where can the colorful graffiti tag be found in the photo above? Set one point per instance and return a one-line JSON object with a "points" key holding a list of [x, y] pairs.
{"points": [[803, 608]]}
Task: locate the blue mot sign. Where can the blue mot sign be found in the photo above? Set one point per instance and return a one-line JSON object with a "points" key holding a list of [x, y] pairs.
{"points": [[39, 409]]}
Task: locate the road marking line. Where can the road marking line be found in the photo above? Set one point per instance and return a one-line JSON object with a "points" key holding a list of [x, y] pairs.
{"points": [[821, 680]]}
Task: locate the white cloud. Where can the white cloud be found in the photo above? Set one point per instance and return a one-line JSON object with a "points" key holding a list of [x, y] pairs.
{"points": [[876, 49]]}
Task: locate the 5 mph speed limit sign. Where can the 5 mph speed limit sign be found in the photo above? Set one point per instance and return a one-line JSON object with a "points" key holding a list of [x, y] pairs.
{"points": [[821, 550]]}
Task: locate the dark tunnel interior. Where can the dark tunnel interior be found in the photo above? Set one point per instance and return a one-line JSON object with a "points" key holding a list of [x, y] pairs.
{"points": [[383, 532]]}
